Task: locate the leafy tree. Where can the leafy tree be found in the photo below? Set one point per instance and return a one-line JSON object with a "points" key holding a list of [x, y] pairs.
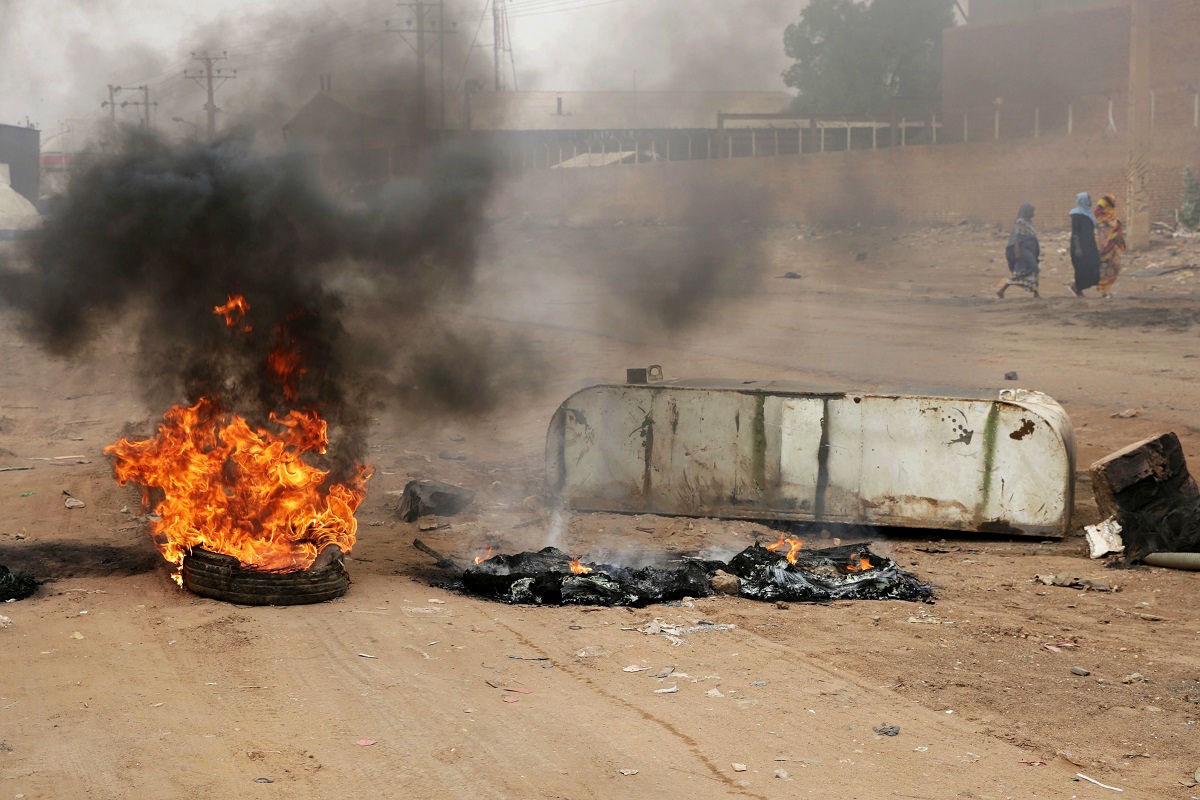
{"points": [[861, 57], [1189, 206]]}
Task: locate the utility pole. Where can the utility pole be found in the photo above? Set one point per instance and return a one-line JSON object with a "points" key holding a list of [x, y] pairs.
{"points": [[112, 103], [501, 44], [424, 27], [210, 79], [1138, 188]]}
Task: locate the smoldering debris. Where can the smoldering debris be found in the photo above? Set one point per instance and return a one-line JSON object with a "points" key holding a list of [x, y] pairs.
{"points": [[547, 578], [551, 577], [15, 585], [846, 572]]}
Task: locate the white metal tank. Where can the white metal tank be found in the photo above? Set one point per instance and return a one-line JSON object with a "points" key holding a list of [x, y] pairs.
{"points": [[1000, 461]]}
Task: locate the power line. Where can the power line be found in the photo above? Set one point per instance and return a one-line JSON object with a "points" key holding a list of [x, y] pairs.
{"points": [[212, 80]]}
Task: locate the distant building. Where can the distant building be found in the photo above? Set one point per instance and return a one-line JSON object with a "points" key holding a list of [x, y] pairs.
{"points": [[20, 149], [546, 128], [1053, 63], [350, 148]]}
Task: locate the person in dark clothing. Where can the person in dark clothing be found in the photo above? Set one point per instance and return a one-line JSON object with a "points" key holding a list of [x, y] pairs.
{"points": [[1085, 256], [1023, 253]]}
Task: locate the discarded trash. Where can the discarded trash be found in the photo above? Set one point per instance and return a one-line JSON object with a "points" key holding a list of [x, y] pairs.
{"points": [[74, 502], [847, 572], [714, 692], [446, 455], [793, 275], [887, 730], [663, 673], [628, 771], [1098, 783], [15, 586], [552, 577], [1135, 677], [5, 622], [1104, 538], [264, 780], [422, 498], [1147, 487], [1128, 413], [76, 635], [1189, 561], [1071, 758], [635, 668], [1058, 647], [739, 767], [1076, 582], [530, 658], [669, 690], [366, 655], [782, 774], [366, 742], [1080, 671], [724, 583]]}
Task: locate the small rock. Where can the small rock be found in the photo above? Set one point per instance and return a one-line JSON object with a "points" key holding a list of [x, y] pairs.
{"points": [[739, 767], [793, 275], [5, 622], [1128, 413], [714, 692], [76, 635], [1080, 671], [724, 583], [629, 772], [74, 502], [668, 690], [1135, 677], [887, 730], [446, 455], [782, 605], [1010, 376], [264, 780], [782, 774]]}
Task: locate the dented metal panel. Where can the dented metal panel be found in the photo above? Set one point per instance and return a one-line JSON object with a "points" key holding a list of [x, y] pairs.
{"points": [[1001, 462]]}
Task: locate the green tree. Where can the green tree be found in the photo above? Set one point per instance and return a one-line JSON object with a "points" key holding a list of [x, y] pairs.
{"points": [[863, 57]]}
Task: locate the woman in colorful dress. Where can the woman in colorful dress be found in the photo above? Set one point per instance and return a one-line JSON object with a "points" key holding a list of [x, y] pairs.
{"points": [[1023, 253], [1085, 257], [1111, 235]]}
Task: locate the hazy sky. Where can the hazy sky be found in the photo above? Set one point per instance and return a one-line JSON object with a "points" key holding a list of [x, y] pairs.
{"points": [[59, 55]]}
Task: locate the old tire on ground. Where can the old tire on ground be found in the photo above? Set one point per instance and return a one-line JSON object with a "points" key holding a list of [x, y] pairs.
{"points": [[222, 577]]}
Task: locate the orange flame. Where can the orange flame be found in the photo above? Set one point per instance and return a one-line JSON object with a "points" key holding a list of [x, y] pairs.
{"points": [[794, 547], [578, 568], [244, 491], [286, 365], [234, 311], [484, 557], [859, 563]]}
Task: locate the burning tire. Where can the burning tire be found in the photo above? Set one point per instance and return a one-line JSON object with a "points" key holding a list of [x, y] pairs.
{"points": [[222, 577]]}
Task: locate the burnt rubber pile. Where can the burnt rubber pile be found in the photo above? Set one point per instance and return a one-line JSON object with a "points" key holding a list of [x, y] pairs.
{"points": [[552, 577]]}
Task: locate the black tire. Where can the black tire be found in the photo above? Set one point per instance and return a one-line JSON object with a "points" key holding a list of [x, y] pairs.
{"points": [[222, 577]]}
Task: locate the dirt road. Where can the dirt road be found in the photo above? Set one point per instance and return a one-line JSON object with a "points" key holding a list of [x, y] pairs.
{"points": [[117, 685]]}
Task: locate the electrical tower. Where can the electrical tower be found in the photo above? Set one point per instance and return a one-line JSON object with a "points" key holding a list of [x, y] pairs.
{"points": [[501, 45], [111, 103], [429, 20], [210, 79]]}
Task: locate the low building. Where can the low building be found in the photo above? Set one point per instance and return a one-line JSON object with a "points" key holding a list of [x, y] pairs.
{"points": [[20, 149]]}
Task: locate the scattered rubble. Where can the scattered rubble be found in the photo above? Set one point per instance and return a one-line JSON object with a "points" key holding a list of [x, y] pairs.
{"points": [[1146, 487], [424, 498], [1104, 538], [15, 586], [1076, 582]]}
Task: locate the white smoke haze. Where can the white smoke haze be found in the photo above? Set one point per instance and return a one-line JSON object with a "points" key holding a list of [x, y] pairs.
{"points": [[60, 55]]}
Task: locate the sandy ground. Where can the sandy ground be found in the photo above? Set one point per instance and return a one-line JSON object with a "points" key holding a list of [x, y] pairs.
{"points": [[118, 685]]}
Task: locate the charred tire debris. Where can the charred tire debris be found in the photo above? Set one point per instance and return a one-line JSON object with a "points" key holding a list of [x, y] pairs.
{"points": [[15, 585], [817, 576], [221, 577]]}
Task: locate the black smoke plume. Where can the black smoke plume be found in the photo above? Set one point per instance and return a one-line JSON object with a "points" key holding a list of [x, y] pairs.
{"points": [[163, 234]]}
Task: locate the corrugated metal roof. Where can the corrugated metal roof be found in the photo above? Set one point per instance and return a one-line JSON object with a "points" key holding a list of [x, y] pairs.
{"points": [[587, 111]]}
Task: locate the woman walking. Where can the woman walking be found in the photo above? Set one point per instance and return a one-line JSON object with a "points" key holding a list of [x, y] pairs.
{"points": [[1111, 234], [1085, 257], [1023, 253]]}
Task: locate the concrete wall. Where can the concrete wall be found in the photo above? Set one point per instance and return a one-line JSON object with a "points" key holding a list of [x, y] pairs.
{"points": [[930, 184], [1075, 56]]}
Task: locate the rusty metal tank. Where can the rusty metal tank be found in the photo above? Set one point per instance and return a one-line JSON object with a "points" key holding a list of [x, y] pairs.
{"points": [[998, 461]]}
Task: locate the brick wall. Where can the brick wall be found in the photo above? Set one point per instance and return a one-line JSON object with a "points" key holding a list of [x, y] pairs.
{"points": [[1076, 56], [930, 184]]}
